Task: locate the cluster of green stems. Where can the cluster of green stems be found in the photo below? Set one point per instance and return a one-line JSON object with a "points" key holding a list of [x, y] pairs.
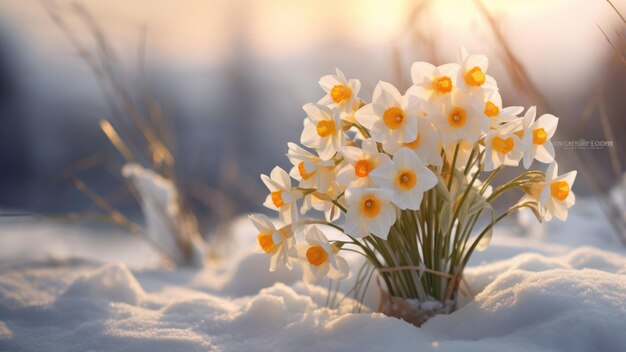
{"points": [[426, 250]]}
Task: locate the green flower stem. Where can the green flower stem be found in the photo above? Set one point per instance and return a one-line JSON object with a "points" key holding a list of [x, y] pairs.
{"points": [[487, 229], [489, 179], [453, 165], [518, 181], [361, 129]]}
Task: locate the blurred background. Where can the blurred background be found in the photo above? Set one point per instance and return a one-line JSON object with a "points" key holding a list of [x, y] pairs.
{"points": [[226, 81]]}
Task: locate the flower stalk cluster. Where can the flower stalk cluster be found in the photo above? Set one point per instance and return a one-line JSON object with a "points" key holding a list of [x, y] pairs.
{"points": [[407, 178]]}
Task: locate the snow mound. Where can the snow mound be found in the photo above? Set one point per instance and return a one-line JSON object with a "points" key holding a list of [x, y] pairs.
{"points": [[553, 310], [559, 290], [5, 332], [580, 258], [165, 223], [113, 283], [573, 302], [248, 279]]}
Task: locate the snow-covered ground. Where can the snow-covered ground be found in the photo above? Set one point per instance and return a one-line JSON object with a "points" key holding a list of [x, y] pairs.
{"points": [[62, 288]]}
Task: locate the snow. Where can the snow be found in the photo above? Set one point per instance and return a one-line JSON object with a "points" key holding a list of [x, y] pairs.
{"points": [[165, 224], [559, 288]]}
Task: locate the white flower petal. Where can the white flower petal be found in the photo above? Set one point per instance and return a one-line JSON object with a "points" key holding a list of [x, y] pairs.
{"points": [[366, 116], [386, 95], [421, 72], [549, 123], [262, 223], [341, 271], [545, 153]]}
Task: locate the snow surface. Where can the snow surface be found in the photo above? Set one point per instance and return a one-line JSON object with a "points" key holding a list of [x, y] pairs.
{"points": [[560, 288]]}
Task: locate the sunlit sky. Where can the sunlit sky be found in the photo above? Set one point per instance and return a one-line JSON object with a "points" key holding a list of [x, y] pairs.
{"points": [[545, 34], [200, 29], [197, 50]]}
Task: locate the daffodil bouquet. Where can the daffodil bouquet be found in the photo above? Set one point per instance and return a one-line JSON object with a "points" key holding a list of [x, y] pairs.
{"points": [[407, 180]]}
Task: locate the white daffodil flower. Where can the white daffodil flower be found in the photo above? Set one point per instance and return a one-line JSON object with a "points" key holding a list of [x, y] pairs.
{"points": [[369, 210], [275, 242], [322, 202], [322, 130], [407, 177], [496, 113], [360, 162], [390, 117], [556, 196], [319, 257], [502, 147], [460, 118], [341, 92], [282, 197], [536, 142], [426, 144], [321, 199], [309, 169], [431, 83], [472, 74]]}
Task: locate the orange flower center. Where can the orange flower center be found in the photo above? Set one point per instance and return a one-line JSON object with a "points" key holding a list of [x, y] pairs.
{"points": [[415, 143], [539, 136], [442, 84], [266, 242], [491, 110], [362, 168], [305, 175], [277, 199], [475, 77], [559, 190], [457, 117], [406, 180], [370, 206], [326, 128], [393, 117], [501, 145], [316, 255], [340, 93]]}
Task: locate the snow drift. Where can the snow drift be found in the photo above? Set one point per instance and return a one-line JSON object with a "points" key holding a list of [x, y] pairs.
{"points": [[530, 294]]}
